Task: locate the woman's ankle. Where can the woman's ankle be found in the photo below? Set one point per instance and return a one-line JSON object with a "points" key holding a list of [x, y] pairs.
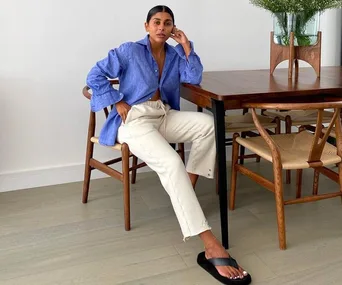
{"points": [[209, 240]]}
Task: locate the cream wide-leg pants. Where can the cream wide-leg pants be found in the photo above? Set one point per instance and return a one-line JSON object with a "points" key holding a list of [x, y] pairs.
{"points": [[149, 129]]}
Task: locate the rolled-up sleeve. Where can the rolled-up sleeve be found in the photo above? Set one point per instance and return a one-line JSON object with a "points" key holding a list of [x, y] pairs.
{"points": [[190, 68], [103, 94]]}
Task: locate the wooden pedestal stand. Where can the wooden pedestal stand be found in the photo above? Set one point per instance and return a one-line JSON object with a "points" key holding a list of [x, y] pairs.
{"points": [[309, 54]]}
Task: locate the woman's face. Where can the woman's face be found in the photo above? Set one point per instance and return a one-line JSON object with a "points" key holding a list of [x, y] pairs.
{"points": [[160, 27]]}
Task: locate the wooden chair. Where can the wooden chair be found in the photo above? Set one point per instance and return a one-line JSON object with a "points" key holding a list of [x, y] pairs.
{"points": [[292, 151], [92, 163], [296, 118], [244, 125], [332, 133]]}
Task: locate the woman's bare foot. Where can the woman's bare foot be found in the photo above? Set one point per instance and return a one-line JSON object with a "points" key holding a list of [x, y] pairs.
{"points": [[214, 249]]}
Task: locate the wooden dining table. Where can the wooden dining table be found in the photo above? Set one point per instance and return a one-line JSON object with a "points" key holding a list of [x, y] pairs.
{"points": [[221, 91]]}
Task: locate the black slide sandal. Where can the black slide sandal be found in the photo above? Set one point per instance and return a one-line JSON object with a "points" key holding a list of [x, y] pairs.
{"points": [[208, 265]]}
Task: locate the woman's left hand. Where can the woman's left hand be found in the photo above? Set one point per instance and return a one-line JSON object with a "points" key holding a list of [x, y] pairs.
{"points": [[182, 39], [179, 36]]}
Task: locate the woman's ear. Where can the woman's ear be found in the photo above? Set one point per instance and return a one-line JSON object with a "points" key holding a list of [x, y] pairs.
{"points": [[146, 27], [173, 29], [172, 32]]}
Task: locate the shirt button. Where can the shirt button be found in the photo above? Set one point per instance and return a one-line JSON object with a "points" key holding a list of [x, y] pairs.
{"points": [[156, 70]]}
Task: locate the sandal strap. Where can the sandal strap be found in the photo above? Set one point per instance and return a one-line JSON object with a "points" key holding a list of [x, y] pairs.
{"points": [[224, 261]]}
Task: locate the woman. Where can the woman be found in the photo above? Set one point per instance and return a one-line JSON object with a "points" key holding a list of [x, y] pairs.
{"points": [[147, 117]]}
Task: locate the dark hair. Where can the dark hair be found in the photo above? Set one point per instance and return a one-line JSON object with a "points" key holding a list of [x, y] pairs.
{"points": [[157, 9]]}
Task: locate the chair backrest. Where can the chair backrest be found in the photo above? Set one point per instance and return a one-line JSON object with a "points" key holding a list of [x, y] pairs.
{"points": [[87, 94], [311, 103]]}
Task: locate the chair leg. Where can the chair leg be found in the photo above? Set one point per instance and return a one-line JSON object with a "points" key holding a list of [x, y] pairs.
{"points": [[315, 182], [126, 186], [288, 125], [89, 155], [340, 177], [87, 171], [288, 176], [278, 127], [235, 158], [279, 199], [242, 149], [299, 183], [181, 151], [134, 171]]}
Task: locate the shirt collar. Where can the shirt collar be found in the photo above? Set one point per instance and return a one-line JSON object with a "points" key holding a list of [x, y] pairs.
{"points": [[146, 42]]}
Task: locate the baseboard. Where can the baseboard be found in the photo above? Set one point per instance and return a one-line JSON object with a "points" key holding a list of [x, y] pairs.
{"points": [[40, 177], [55, 175], [47, 176]]}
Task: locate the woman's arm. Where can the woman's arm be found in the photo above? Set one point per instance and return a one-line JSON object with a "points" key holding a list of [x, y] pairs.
{"points": [[110, 67], [190, 66]]}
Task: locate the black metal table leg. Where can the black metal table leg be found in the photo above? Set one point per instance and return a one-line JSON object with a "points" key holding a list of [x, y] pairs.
{"points": [[219, 113]]}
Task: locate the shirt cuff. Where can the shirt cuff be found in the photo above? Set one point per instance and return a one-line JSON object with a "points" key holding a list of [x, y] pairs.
{"points": [[99, 102], [180, 50]]}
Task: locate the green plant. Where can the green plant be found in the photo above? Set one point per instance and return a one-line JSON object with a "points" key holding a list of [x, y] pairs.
{"points": [[302, 10], [296, 23], [295, 6]]}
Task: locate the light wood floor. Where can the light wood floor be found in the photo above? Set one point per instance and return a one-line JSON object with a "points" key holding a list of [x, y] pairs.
{"points": [[47, 236]]}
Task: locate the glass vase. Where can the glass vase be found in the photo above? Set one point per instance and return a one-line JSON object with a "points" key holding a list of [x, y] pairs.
{"points": [[305, 26]]}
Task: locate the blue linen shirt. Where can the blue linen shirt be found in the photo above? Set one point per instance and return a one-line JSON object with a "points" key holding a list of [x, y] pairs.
{"points": [[138, 73]]}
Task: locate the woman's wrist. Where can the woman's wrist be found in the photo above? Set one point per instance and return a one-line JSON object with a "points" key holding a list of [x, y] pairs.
{"points": [[187, 48], [118, 103]]}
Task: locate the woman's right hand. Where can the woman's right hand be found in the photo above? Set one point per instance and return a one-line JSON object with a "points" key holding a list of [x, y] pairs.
{"points": [[122, 108]]}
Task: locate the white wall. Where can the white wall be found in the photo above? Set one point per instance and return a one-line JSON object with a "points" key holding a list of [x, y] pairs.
{"points": [[47, 48]]}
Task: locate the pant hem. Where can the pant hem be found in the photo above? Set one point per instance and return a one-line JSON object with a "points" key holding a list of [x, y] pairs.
{"points": [[186, 238]]}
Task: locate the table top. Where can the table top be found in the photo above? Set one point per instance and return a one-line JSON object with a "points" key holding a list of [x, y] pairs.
{"points": [[220, 84], [237, 85]]}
